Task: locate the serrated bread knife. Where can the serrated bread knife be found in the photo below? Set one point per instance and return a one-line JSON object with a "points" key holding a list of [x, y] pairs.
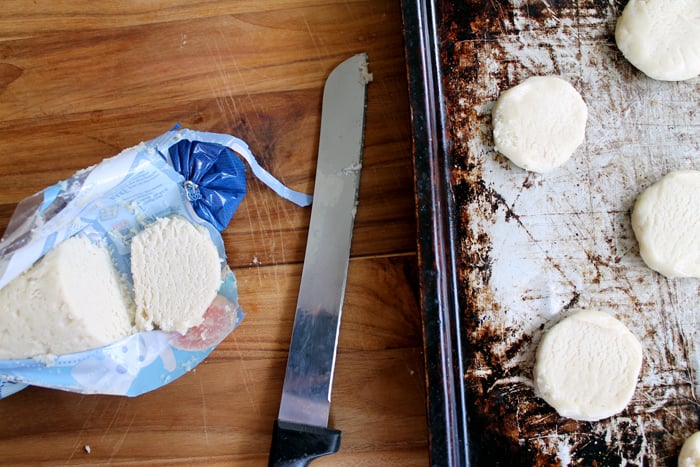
{"points": [[301, 431]]}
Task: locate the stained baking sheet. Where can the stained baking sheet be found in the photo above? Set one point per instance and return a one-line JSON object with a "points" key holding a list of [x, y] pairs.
{"points": [[524, 250]]}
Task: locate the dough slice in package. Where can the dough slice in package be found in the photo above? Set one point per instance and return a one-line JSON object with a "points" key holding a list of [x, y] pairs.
{"points": [[182, 175]]}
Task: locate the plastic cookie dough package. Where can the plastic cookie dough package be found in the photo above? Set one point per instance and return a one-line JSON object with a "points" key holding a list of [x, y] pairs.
{"points": [[195, 175]]}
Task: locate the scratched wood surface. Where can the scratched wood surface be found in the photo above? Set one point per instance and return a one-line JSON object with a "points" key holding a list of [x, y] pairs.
{"points": [[80, 80]]}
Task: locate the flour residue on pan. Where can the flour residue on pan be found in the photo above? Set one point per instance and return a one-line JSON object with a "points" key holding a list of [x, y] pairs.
{"points": [[533, 248]]}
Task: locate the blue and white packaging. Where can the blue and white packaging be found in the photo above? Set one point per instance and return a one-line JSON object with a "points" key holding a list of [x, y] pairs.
{"points": [[197, 175]]}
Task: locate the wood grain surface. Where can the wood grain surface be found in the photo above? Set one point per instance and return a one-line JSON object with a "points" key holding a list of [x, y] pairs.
{"points": [[81, 80]]}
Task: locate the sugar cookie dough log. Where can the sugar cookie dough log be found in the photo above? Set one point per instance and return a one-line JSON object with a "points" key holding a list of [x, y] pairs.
{"points": [[539, 123], [176, 271], [666, 223], [587, 366], [71, 300], [661, 37]]}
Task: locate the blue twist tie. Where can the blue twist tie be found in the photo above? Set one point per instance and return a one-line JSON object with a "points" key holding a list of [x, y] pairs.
{"points": [[192, 191]]}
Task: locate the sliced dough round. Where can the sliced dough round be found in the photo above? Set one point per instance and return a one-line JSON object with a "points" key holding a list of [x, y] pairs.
{"points": [[587, 366], [661, 37], [539, 123], [690, 452], [177, 274], [666, 222]]}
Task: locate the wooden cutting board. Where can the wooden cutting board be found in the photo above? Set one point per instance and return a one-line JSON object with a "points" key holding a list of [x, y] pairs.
{"points": [[80, 80]]}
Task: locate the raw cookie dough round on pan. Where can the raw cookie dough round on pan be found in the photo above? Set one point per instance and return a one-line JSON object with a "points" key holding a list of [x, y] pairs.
{"points": [[587, 366], [539, 123], [666, 222], [661, 37], [690, 452]]}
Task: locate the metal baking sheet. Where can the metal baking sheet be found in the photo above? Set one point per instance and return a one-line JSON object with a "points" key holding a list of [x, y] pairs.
{"points": [[525, 250]]}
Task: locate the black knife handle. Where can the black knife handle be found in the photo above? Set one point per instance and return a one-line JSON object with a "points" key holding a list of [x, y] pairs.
{"points": [[295, 445]]}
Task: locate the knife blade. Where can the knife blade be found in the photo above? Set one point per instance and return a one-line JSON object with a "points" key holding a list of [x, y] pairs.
{"points": [[301, 431]]}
